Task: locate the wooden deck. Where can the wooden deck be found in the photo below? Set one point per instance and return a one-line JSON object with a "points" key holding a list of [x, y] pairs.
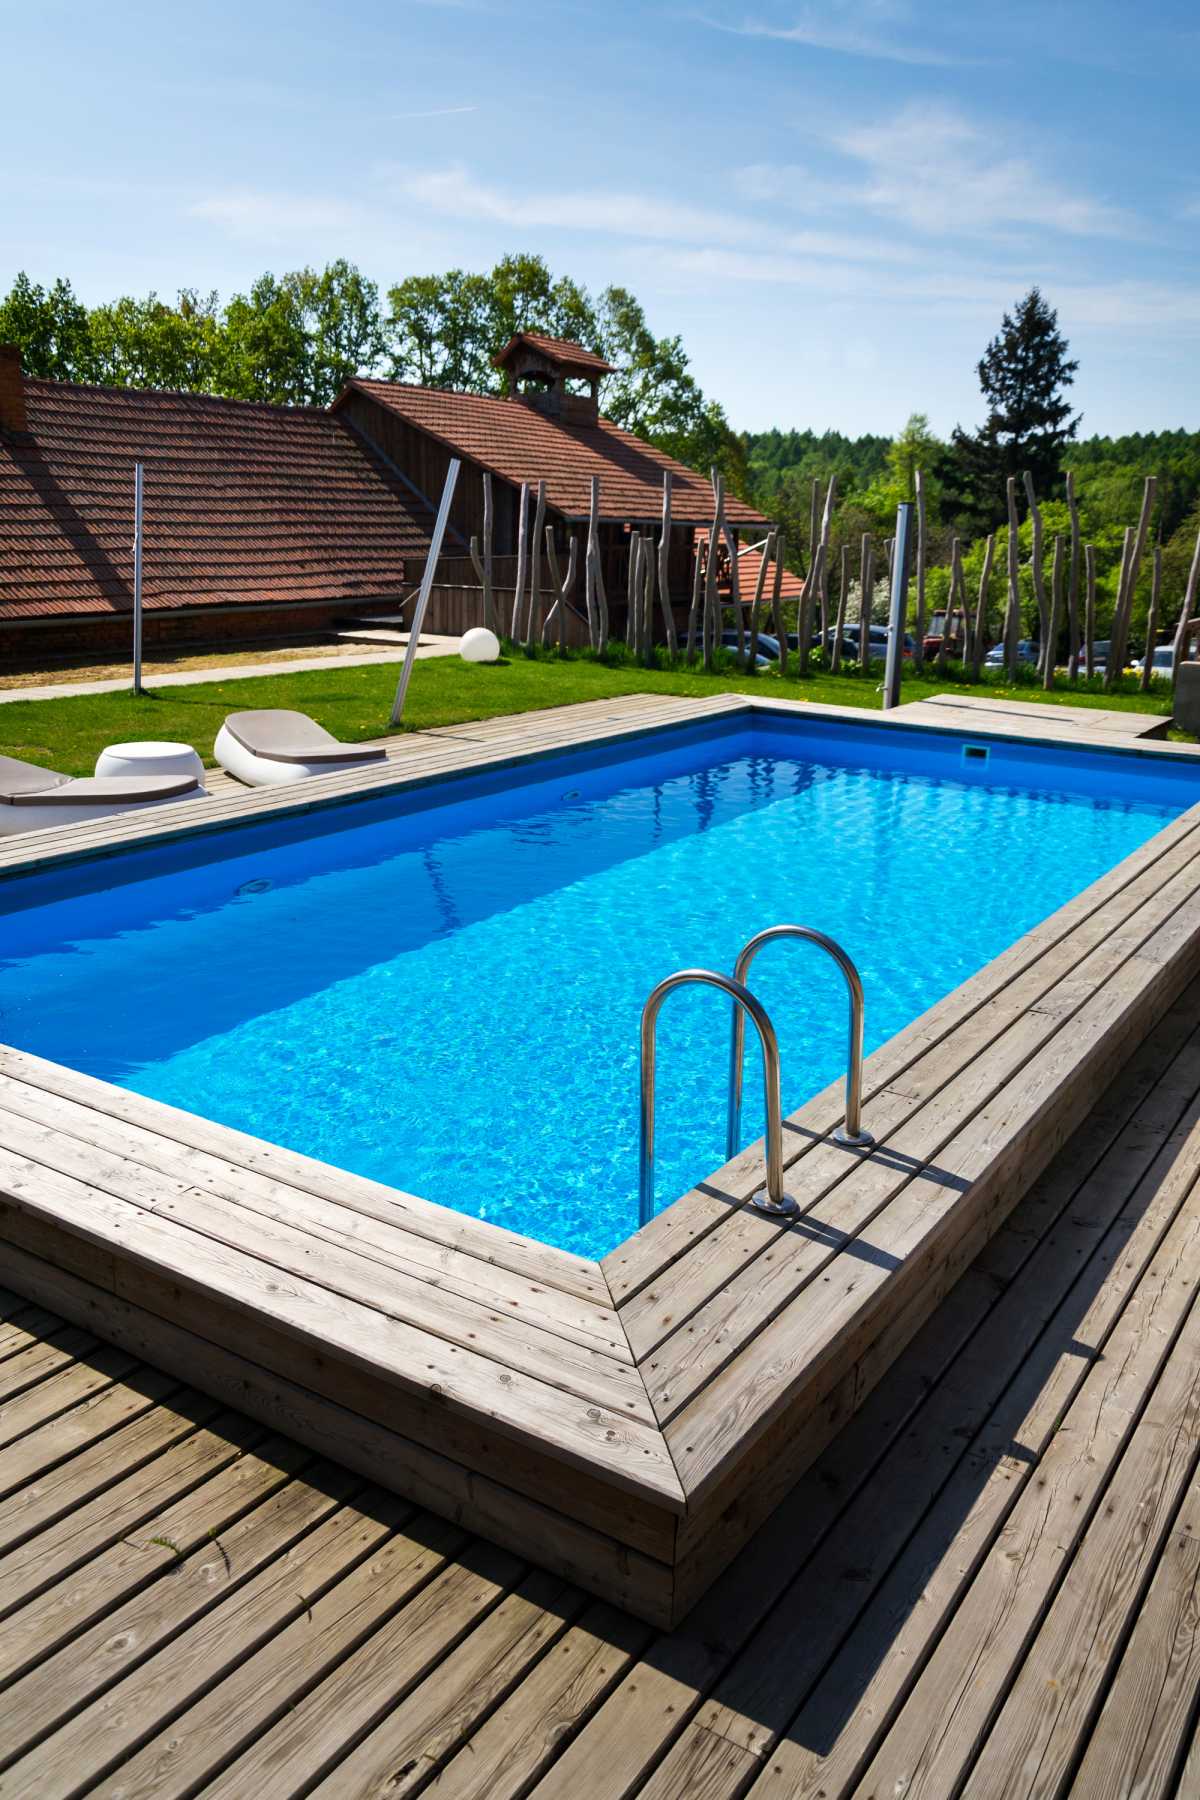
{"points": [[987, 1585], [971, 712], [626, 1424]]}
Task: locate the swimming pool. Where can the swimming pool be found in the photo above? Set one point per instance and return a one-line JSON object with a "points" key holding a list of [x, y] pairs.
{"points": [[440, 988]]}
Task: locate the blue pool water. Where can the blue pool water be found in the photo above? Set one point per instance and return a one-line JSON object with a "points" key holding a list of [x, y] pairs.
{"points": [[443, 992]]}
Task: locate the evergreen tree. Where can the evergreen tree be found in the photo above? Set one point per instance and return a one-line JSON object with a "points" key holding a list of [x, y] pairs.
{"points": [[1023, 373]]}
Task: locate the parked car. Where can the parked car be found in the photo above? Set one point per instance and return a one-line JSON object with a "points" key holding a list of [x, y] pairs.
{"points": [[877, 642], [1162, 662], [1027, 652], [729, 641]]}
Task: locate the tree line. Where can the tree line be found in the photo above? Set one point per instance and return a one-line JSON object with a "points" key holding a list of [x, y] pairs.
{"points": [[295, 339], [1029, 428]]}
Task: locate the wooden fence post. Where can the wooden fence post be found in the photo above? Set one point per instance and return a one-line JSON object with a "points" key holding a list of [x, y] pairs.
{"points": [[1189, 600], [1152, 621], [766, 557], [1012, 616], [1036, 565], [1089, 621], [977, 647], [589, 565], [694, 608], [1073, 582], [664, 567], [522, 558], [777, 604], [835, 649], [1050, 647], [919, 652], [711, 610], [866, 593], [1120, 639]]}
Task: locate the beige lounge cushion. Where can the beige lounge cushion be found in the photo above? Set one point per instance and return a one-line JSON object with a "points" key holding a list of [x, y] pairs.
{"points": [[292, 737], [105, 790], [18, 779]]}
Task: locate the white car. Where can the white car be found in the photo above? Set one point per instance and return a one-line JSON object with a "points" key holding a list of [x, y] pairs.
{"points": [[1162, 663]]}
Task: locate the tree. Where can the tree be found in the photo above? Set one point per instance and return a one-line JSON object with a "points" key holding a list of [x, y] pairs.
{"points": [[51, 330], [265, 352], [340, 314], [915, 448], [148, 343], [1023, 374], [445, 330]]}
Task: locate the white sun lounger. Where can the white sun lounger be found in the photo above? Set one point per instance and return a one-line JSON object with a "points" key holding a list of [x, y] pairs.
{"points": [[33, 798], [270, 748]]}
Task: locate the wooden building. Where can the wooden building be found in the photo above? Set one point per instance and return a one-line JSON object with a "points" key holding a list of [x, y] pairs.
{"points": [[547, 427], [271, 521]]}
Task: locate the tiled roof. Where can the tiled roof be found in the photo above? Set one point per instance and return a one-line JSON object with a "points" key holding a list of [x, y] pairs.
{"points": [[791, 586], [568, 356], [750, 557], [243, 503], [520, 444]]}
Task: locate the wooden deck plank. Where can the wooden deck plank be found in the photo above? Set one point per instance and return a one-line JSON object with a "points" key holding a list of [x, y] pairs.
{"points": [[301, 1323], [1141, 1735], [839, 1529], [421, 1696], [481, 1245], [608, 1535], [1045, 1721], [499, 1760], [444, 1230], [60, 1392], [32, 1456], [279, 1639], [59, 1099], [1057, 1436], [256, 1512], [266, 1233], [1022, 714]]}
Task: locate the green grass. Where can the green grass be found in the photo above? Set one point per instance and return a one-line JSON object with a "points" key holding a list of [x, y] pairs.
{"points": [[354, 703]]}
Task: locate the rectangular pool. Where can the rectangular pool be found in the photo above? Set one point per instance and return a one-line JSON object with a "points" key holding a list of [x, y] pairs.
{"points": [[440, 987]]}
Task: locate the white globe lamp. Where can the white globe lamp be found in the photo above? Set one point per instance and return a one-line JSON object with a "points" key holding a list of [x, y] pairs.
{"points": [[479, 645]]}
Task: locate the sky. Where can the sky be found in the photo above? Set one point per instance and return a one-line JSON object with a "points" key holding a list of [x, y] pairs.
{"points": [[832, 204]]}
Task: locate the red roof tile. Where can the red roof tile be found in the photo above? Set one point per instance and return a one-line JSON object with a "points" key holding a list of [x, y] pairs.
{"points": [[243, 503], [750, 557], [569, 357], [520, 444]]}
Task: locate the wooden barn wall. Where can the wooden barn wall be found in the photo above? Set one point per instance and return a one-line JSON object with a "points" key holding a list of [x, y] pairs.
{"points": [[424, 461]]}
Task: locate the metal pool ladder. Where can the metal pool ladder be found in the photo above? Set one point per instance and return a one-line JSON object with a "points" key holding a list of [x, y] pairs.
{"points": [[772, 1199]]}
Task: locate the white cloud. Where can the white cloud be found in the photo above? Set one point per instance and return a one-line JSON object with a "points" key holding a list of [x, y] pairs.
{"points": [[930, 168], [456, 193], [847, 28], [436, 112]]}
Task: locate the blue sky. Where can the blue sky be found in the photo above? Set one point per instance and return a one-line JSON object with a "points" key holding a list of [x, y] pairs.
{"points": [[832, 203]]}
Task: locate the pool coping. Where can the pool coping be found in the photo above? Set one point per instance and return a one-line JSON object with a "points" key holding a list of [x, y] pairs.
{"points": [[626, 1421]]}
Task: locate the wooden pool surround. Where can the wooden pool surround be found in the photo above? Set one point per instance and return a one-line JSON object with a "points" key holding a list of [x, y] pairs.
{"points": [[626, 1423]]}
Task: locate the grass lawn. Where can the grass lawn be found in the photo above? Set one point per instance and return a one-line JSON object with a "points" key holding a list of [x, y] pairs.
{"points": [[354, 703]]}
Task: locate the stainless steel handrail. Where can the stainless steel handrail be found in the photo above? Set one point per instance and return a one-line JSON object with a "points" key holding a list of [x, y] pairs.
{"points": [[849, 1133], [772, 1199]]}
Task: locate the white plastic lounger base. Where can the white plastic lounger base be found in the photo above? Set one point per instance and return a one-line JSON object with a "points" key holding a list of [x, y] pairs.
{"points": [[15, 820], [273, 749]]}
